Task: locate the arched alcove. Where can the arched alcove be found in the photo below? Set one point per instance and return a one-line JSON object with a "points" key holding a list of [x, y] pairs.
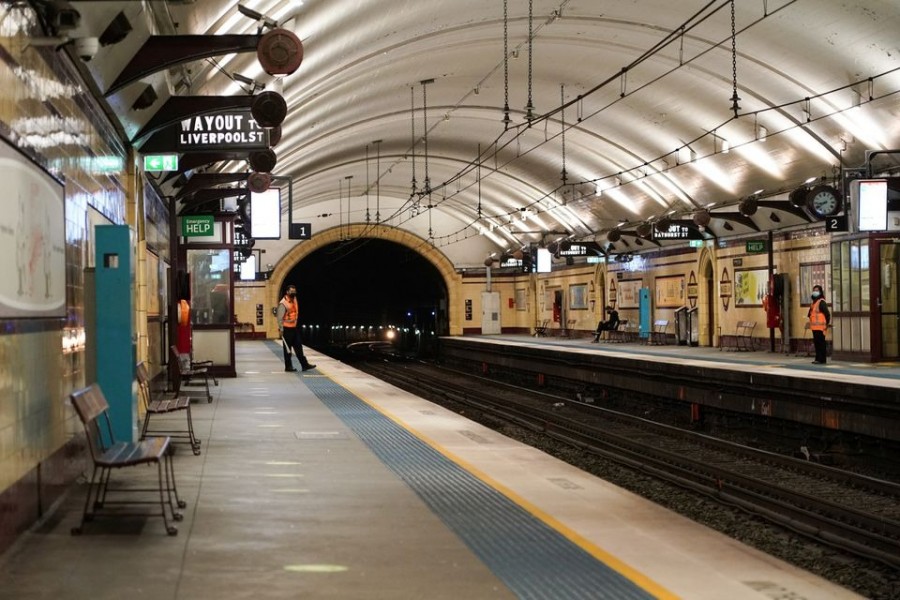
{"points": [[435, 257]]}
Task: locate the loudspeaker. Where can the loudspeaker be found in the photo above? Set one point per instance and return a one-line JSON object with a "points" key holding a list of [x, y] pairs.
{"points": [[274, 136], [259, 182], [268, 109], [263, 160], [280, 52]]}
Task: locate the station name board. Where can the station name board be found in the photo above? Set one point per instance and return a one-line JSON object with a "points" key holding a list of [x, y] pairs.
{"points": [[224, 131], [677, 231], [579, 249]]}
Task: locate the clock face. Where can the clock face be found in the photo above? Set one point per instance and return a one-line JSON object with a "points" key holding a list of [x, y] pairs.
{"points": [[824, 201]]}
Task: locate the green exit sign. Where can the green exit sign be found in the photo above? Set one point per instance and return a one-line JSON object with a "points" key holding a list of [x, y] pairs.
{"points": [[197, 225], [696, 243], [161, 162], [756, 246]]}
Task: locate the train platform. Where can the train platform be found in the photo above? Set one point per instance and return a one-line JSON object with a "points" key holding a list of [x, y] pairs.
{"points": [[330, 484], [799, 365]]}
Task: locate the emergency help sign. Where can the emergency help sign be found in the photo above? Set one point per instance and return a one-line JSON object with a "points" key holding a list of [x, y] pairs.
{"points": [[223, 131], [197, 225]]}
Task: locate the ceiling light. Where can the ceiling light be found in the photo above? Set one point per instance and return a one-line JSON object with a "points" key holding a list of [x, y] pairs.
{"points": [[761, 133], [726, 146]]}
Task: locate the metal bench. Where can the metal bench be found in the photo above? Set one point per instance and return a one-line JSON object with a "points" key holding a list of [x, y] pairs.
{"points": [[659, 333], [108, 455], [183, 371], [164, 406], [541, 330], [741, 340]]}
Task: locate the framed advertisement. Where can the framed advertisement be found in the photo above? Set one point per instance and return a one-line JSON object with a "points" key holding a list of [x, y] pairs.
{"points": [[750, 286], [521, 302], [810, 275], [670, 291], [629, 293], [578, 299], [32, 238]]}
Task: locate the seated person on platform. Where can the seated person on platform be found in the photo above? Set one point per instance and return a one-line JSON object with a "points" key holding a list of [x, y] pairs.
{"points": [[610, 324]]}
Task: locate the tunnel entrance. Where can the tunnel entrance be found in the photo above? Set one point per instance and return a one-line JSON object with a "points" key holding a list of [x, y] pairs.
{"points": [[358, 290]]}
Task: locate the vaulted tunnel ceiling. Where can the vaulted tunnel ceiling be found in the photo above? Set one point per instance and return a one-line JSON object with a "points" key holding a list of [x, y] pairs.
{"points": [[632, 98]]}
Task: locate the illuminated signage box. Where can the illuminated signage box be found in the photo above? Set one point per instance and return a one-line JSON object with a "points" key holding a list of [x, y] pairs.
{"points": [[234, 130], [197, 225]]}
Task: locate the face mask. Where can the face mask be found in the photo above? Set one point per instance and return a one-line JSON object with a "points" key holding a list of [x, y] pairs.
{"points": [[816, 295]]}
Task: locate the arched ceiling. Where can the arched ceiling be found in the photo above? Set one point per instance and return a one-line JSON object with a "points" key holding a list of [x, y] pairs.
{"points": [[633, 98]]}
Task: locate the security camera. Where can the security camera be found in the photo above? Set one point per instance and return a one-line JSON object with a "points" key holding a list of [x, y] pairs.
{"points": [[86, 48]]}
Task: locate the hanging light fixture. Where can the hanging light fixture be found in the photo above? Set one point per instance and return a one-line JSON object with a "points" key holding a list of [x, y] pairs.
{"points": [[378, 181], [506, 119], [735, 107], [529, 108]]}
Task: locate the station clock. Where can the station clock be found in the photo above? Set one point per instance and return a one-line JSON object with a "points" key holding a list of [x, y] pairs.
{"points": [[824, 201]]}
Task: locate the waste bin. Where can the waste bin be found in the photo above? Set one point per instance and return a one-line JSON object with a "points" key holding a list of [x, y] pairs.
{"points": [[694, 327], [682, 327]]}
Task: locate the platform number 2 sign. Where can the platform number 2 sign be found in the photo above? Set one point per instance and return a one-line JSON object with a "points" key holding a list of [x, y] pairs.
{"points": [[838, 223]]}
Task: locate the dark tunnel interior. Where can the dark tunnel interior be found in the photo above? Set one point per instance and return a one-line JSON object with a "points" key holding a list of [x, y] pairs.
{"points": [[368, 283]]}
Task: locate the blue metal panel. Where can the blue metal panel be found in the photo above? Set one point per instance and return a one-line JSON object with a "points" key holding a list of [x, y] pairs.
{"points": [[114, 278], [646, 310]]}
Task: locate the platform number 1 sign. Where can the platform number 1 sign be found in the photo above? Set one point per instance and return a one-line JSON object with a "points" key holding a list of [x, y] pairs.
{"points": [[300, 231]]}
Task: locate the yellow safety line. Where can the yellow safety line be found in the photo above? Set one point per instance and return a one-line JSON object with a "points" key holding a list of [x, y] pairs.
{"points": [[603, 556]]}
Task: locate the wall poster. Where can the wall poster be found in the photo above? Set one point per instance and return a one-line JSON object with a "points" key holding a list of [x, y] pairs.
{"points": [[670, 291], [810, 275], [750, 286], [32, 240], [630, 293], [578, 299], [520, 299]]}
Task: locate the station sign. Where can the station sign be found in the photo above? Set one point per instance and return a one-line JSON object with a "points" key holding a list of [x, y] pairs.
{"points": [[160, 162], [677, 231], [579, 249], [756, 246], [197, 225], [225, 131], [300, 231]]}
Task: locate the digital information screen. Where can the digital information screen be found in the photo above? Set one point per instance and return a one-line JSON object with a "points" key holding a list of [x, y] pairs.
{"points": [[873, 205], [265, 214]]}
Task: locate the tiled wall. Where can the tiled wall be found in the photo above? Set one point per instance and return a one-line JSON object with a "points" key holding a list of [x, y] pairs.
{"points": [[45, 113]]}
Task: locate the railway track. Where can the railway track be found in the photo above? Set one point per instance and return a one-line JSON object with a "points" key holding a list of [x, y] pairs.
{"points": [[856, 513]]}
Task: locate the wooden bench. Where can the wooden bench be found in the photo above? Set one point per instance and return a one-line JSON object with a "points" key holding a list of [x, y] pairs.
{"points": [[742, 340], [164, 406], [541, 330], [658, 335], [183, 371], [108, 455]]}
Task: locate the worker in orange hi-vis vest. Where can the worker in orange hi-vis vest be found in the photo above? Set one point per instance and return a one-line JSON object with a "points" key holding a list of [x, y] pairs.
{"points": [[288, 314], [819, 320], [183, 331]]}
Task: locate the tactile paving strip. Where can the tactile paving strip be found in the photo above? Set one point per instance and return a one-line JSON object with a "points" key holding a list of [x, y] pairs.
{"points": [[532, 559]]}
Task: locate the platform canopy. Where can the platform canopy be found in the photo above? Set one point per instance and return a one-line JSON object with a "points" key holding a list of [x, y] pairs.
{"points": [[639, 109]]}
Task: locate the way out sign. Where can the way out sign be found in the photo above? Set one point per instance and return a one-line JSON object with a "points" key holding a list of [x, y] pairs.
{"points": [[160, 162], [197, 225]]}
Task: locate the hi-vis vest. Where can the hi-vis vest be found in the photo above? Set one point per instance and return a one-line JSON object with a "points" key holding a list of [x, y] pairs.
{"points": [[290, 314], [817, 320]]}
